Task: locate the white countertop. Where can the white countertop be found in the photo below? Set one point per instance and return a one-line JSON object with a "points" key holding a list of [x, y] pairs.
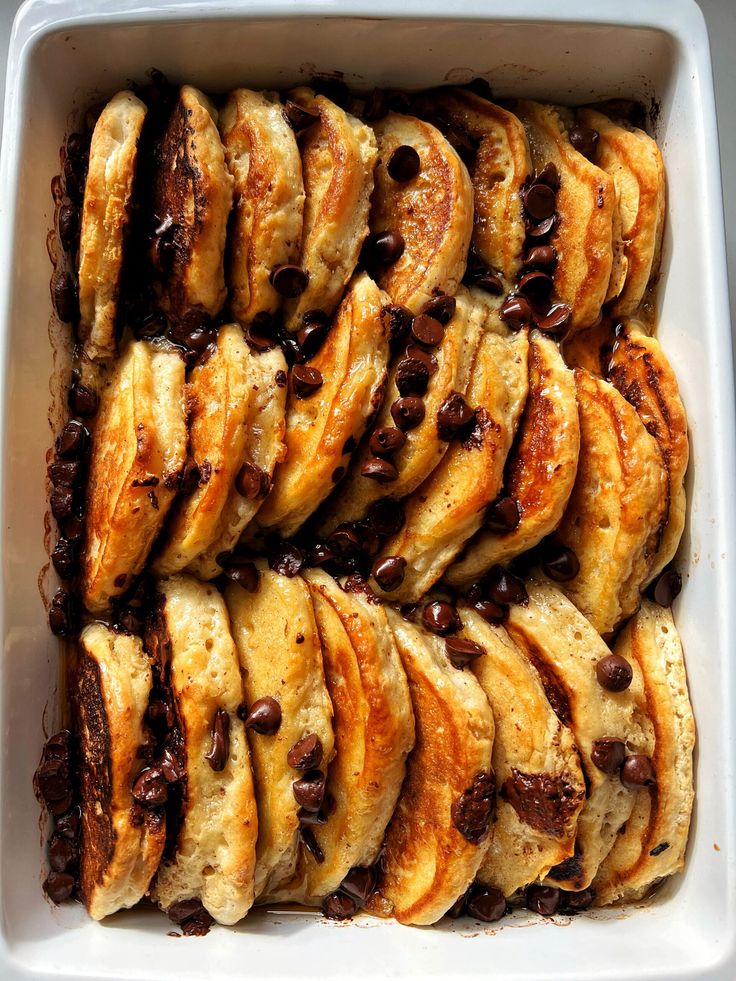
{"points": [[720, 16]]}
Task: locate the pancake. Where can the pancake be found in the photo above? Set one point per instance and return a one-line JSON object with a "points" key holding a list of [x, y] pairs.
{"points": [[220, 396], [338, 157], [617, 507], [585, 204], [139, 445], [653, 843], [322, 428], [590, 348], [268, 202], [374, 732], [211, 854], [498, 163], [427, 861], [121, 843], [280, 655], [449, 506], [540, 470], [113, 156], [264, 449], [423, 449], [192, 197], [634, 161], [540, 785], [564, 648], [641, 372], [432, 212]]}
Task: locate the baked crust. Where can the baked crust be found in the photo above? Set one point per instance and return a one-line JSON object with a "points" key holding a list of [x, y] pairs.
{"points": [[113, 156], [268, 200], [121, 845]]}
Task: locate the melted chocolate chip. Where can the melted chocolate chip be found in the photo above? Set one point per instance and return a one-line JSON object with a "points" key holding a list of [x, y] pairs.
{"points": [[383, 248], [556, 321], [427, 331], [339, 906], [220, 745], [64, 296], [516, 312], [542, 899], [386, 440], [260, 341], [473, 811], [63, 613], [191, 916], [62, 502], [320, 553], [536, 286], [503, 515], [505, 588], [64, 558], [490, 611], [312, 333], [389, 572], [408, 413], [306, 753], [585, 140], [382, 471], [298, 117], [614, 673], [486, 903], [541, 257], [83, 401], [63, 853], [667, 587], [539, 201], [285, 558], [305, 381], [638, 772], [69, 824], [561, 563], [608, 754], [398, 321], [64, 473], [309, 790], [151, 788], [252, 482], [412, 376], [542, 228], [454, 416], [458, 907], [576, 902], [68, 226], [441, 618], [461, 651], [386, 516], [73, 440], [264, 716], [289, 280], [544, 801], [441, 307], [307, 838], [360, 883], [59, 886]]}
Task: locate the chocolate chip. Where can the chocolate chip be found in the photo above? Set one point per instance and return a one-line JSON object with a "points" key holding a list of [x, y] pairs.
{"points": [[576, 902], [441, 618], [311, 335], [503, 515], [338, 906], [561, 564], [536, 285], [458, 907], [397, 321], [638, 772], [64, 296], [556, 321], [259, 340], [311, 818], [298, 117], [539, 201], [252, 482], [62, 502], [542, 228], [614, 672], [608, 754], [59, 886], [289, 280], [541, 257], [658, 849], [63, 473], [461, 651], [427, 331], [386, 516], [490, 611], [412, 376], [285, 558], [667, 587], [516, 312], [454, 416], [382, 471], [542, 899], [68, 226], [264, 716], [307, 838], [473, 811], [63, 613], [53, 780], [548, 175], [344, 540], [169, 765], [408, 413], [489, 281], [486, 903], [306, 753], [585, 140], [389, 572], [69, 824], [191, 916], [73, 528], [360, 883], [64, 558], [383, 248], [320, 553], [63, 853], [309, 790], [220, 745], [386, 440], [441, 307], [505, 588], [403, 164], [73, 440], [150, 788], [305, 381], [83, 401]]}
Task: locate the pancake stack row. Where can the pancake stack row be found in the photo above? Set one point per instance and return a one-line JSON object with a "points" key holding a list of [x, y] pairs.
{"points": [[372, 459]]}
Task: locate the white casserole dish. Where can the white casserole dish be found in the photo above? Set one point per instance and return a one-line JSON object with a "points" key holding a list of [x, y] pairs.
{"points": [[66, 54]]}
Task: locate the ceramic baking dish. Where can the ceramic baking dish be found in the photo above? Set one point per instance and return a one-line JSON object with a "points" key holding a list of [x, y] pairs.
{"points": [[66, 54]]}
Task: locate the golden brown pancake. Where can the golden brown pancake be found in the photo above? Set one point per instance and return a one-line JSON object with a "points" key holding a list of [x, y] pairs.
{"points": [[276, 638], [220, 395], [338, 157], [498, 166], [617, 507], [192, 195], [266, 225], [540, 785], [113, 156], [634, 161], [653, 843], [449, 506], [121, 843], [264, 449], [586, 203], [212, 857], [564, 648], [590, 348], [428, 861], [139, 444], [322, 428], [433, 212], [540, 470], [641, 372]]}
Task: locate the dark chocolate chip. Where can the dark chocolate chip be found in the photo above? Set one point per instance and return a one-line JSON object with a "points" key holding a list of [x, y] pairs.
{"points": [[63, 853], [63, 473], [289, 280], [68, 226], [461, 651], [383, 248], [608, 754], [542, 899], [83, 401], [338, 906], [64, 296], [585, 140], [503, 515], [539, 201], [541, 257], [305, 381], [73, 440], [576, 902], [307, 838], [505, 588], [556, 321], [306, 753], [441, 307], [69, 825], [658, 849], [408, 412], [64, 558], [150, 788], [516, 312], [454, 416], [638, 772], [541, 228], [53, 780], [309, 790], [490, 611], [298, 117], [403, 164], [73, 528], [614, 672], [192, 917], [169, 765], [427, 331], [397, 321], [536, 285], [561, 563], [667, 587], [389, 572], [319, 554], [59, 886], [386, 516], [486, 903], [311, 818], [220, 745], [441, 618], [259, 340], [63, 613], [412, 376], [472, 813], [264, 716], [252, 482], [489, 281], [548, 175], [360, 883], [382, 471], [458, 907], [312, 334], [285, 558], [62, 502], [386, 440]]}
